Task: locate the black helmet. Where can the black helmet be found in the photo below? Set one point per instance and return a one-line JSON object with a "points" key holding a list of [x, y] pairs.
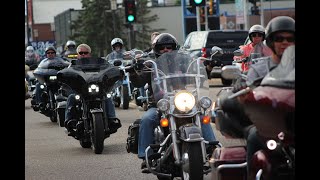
{"points": [[50, 48], [279, 24], [164, 39], [257, 29]]}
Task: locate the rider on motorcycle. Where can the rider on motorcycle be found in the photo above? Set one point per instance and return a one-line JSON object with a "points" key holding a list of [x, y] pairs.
{"points": [[50, 56], [31, 55], [117, 49], [257, 36], [84, 52], [31, 58], [163, 43], [280, 34]]}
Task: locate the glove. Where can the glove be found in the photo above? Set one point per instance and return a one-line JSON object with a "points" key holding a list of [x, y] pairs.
{"points": [[139, 65], [239, 85]]}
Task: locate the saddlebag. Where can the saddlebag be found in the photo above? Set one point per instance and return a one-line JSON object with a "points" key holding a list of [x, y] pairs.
{"points": [[229, 163], [133, 136]]}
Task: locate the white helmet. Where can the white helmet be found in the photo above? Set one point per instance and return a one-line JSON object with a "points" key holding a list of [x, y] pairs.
{"points": [[116, 40], [70, 43], [30, 48]]}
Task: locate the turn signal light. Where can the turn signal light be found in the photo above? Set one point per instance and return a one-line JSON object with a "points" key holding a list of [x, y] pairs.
{"points": [[206, 119], [164, 122]]}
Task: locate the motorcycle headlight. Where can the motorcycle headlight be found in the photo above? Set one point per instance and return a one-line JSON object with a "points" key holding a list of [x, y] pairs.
{"points": [[205, 102], [93, 88], [52, 78], [184, 101], [77, 97], [41, 86], [163, 104]]}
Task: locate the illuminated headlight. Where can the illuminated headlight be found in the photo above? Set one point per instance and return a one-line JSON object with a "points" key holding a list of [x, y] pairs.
{"points": [[52, 78], [271, 144], [108, 95], [77, 97], [163, 104], [41, 86], [93, 88], [205, 102], [184, 101]]}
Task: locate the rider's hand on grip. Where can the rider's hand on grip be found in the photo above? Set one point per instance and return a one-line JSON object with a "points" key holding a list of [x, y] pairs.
{"points": [[239, 85], [138, 65]]}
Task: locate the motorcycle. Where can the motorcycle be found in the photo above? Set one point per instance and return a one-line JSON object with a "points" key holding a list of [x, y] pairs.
{"points": [[180, 86], [122, 95], [271, 110], [46, 74], [32, 81], [92, 80]]}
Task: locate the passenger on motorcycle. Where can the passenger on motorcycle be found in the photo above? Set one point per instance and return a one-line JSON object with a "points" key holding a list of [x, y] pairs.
{"points": [[50, 56], [163, 43], [84, 52], [257, 36], [70, 49], [117, 50], [280, 34]]}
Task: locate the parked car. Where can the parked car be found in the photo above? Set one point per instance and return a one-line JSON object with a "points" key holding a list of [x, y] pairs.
{"points": [[199, 43]]}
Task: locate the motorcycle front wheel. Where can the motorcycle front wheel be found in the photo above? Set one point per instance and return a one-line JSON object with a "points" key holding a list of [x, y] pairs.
{"points": [[97, 133], [192, 167]]}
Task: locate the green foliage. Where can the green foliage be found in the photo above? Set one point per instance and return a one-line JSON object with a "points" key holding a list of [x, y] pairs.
{"points": [[97, 25]]}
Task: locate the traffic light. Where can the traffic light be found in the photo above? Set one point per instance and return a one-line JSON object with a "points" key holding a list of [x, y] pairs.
{"points": [[197, 2], [130, 10], [212, 9]]}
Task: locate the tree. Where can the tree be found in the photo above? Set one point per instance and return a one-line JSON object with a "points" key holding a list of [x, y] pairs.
{"points": [[96, 27]]}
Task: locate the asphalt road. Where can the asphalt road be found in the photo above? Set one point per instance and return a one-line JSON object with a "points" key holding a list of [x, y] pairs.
{"points": [[51, 154]]}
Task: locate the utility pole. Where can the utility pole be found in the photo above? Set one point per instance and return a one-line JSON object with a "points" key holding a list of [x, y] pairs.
{"points": [[198, 18], [245, 14]]}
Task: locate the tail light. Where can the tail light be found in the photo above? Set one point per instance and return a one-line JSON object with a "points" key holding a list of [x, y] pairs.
{"points": [[204, 52]]}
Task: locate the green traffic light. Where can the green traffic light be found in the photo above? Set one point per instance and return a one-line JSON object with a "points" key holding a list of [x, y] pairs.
{"points": [[198, 1], [130, 18]]}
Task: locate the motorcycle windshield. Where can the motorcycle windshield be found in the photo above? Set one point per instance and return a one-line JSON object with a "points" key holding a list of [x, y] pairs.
{"points": [[50, 67], [177, 71]]}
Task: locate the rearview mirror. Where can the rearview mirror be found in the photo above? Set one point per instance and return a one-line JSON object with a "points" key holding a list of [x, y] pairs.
{"points": [[238, 52], [230, 72]]}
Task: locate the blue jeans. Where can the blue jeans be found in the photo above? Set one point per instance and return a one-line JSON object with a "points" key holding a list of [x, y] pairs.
{"points": [[38, 92], [110, 109], [150, 120]]}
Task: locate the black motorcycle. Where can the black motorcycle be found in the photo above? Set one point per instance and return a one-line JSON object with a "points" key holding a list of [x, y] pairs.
{"points": [[46, 74], [92, 80]]}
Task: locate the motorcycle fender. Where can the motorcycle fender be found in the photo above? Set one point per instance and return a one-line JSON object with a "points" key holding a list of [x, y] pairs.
{"points": [[62, 104], [190, 133], [96, 110]]}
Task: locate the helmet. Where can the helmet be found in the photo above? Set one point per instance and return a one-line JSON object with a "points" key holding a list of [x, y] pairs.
{"points": [[50, 48], [70, 43], [115, 41], [257, 29], [164, 38], [29, 48], [278, 24]]}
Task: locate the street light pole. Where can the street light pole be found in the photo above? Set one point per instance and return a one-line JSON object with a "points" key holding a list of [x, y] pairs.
{"points": [[261, 13]]}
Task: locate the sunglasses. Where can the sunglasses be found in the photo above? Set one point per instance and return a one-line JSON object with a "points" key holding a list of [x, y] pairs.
{"points": [[167, 47], [82, 53], [256, 35], [50, 52], [282, 38]]}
